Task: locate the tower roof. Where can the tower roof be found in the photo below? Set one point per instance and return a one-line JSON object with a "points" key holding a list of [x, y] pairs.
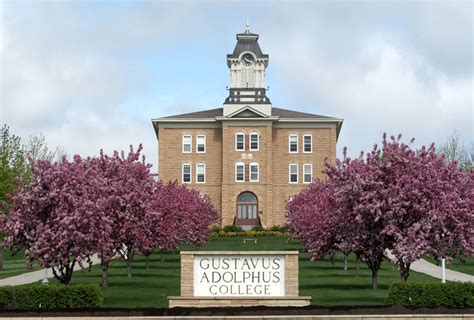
{"points": [[247, 41]]}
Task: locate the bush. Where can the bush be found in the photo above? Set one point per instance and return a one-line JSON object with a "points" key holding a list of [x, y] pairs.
{"points": [[257, 228], [56, 296], [450, 294], [278, 229], [232, 228]]}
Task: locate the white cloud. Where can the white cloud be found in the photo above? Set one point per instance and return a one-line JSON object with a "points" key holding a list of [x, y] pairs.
{"points": [[379, 81], [83, 73]]}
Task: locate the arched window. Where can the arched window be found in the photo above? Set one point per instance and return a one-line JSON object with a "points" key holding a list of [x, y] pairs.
{"points": [[247, 208]]}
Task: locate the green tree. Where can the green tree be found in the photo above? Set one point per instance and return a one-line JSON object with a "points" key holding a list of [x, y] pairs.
{"points": [[15, 167], [454, 150], [12, 166]]}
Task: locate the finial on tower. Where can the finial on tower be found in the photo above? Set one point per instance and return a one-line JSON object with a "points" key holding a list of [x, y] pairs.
{"points": [[247, 26]]}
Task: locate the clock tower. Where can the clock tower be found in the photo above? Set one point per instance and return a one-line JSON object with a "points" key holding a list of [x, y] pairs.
{"points": [[247, 66]]}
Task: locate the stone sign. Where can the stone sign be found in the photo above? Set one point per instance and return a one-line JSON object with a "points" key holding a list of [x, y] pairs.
{"points": [[239, 278]]}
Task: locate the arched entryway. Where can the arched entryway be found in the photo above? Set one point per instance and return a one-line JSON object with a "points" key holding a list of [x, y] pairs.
{"points": [[247, 210]]}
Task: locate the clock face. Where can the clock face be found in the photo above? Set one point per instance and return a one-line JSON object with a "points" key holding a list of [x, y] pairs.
{"points": [[248, 59]]}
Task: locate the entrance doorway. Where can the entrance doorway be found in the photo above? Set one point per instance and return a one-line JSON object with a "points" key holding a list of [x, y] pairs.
{"points": [[247, 210]]}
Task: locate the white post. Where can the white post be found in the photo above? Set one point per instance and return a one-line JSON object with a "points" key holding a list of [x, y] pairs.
{"points": [[443, 270], [45, 277]]}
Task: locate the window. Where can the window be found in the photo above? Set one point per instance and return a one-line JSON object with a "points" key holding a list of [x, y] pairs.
{"points": [[307, 173], [186, 173], [201, 144], [307, 143], [200, 173], [293, 143], [293, 169], [247, 207], [239, 172], [187, 143], [254, 175], [254, 141], [239, 141]]}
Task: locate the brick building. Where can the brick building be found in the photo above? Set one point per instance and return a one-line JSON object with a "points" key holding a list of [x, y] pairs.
{"points": [[248, 156]]}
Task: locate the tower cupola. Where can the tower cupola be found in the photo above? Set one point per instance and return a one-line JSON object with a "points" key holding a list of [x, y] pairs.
{"points": [[247, 66]]}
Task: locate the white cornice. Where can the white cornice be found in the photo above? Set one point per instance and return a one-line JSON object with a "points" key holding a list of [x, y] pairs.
{"points": [[183, 120]]}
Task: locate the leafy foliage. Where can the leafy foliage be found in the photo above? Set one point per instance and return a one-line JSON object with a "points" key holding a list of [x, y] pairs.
{"points": [[389, 199], [38, 296], [450, 294], [104, 205]]}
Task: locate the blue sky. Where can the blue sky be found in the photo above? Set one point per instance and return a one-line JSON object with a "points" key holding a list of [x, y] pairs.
{"points": [[91, 75]]}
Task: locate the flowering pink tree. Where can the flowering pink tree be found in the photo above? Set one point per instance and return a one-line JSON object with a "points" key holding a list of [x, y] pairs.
{"points": [[179, 215], [54, 218], [309, 219], [389, 199], [125, 191], [429, 205]]}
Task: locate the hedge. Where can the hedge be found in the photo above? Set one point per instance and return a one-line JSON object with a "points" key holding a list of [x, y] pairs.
{"points": [[257, 231], [51, 296], [450, 294]]}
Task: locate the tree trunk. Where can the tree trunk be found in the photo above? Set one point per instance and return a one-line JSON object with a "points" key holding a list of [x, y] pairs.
{"points": [[129, 261], [162, 256], [1, 256], [105, 274], [333, 257], [147, 261], [404, 271], [64, 272], [357, 266], [374, 278], [345, 262]]}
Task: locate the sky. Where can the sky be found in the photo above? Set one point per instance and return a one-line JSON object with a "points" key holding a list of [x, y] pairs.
{"points": [[91, 75]]}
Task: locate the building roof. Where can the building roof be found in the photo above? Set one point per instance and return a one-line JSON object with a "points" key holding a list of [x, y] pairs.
{"points": [[278, 112], [247, 42]]}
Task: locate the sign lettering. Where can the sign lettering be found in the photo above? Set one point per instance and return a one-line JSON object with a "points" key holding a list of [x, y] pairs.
{"points": [[239, 275]]}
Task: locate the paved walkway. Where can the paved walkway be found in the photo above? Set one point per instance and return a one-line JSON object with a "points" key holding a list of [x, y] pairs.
{"points": [[434, 271], [35, 276]]}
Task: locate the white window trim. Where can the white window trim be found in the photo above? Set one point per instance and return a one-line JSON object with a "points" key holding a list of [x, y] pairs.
{"points": [[191, 143], [250, 171], [235, 175], [236, 134], [204, 165], [289, 173], [190, 173], [205, 147], [289, 143], [311, 137], [250, 141], [311, 172]]}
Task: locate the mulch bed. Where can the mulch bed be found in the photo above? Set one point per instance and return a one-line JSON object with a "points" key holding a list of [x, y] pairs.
{"points": [[234, 311]]}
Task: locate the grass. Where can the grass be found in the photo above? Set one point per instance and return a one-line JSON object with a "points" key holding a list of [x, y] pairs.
{"points": [[15, 265], [327, 284], [462, 264]]}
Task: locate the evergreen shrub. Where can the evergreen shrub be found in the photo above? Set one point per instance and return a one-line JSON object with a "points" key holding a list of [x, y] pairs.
{"points": [[430, 295], [51, 296]]}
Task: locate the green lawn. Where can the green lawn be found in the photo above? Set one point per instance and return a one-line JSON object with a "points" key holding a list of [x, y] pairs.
{"points": [[463, 264], [327, 284], [14, 265]]}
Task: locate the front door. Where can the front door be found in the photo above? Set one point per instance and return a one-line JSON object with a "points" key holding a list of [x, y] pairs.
{"points": [[247, 209]]}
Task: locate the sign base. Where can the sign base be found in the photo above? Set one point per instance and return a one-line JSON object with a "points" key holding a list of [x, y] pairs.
{"points": [[239, 279], [209, 302]]}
